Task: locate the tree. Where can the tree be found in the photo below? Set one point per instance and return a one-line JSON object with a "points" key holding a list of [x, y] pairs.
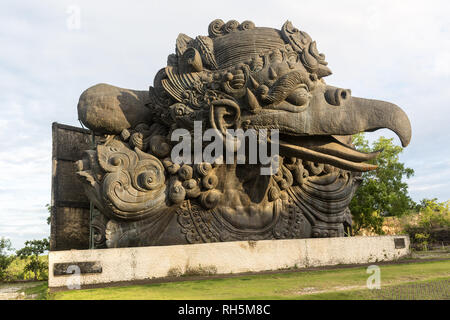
{"points": [[383, 190], [5, 257], [31, 251], [431, 204], [49, 210]]}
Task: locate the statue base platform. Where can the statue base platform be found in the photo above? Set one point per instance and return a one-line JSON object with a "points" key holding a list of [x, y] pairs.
{"points": [[75, 268]]}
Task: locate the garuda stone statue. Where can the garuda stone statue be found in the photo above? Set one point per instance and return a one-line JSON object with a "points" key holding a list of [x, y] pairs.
{"points": [[238, 77]]}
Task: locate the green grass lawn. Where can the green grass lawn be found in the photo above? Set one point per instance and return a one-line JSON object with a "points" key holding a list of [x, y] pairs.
{"points": [[38, 292], [425, 280], [435, 289]]}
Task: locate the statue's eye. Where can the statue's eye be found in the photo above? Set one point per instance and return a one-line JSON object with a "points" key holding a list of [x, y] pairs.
{"points": [[299, 97]]}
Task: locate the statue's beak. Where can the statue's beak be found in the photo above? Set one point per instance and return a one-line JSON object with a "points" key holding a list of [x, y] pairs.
{"points": [[313, 133], [362, 115], [336, 112]]}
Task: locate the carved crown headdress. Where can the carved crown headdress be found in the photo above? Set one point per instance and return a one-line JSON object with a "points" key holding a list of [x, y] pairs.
{"points": [[231, 43]]}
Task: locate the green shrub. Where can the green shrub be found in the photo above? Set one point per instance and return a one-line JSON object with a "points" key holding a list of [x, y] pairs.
{"points": [[423, 228], [435, 215], [422, 239]]}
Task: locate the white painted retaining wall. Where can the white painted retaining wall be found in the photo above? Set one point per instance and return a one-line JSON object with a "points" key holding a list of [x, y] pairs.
{"points": [[128, 264]]}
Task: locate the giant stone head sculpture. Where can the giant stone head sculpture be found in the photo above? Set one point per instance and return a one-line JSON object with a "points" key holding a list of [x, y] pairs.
{"points": [[238, 77]]}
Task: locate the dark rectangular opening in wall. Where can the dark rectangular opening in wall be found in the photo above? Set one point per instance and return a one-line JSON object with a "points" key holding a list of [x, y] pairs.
{"points": [[399, 243], [62, 269]]}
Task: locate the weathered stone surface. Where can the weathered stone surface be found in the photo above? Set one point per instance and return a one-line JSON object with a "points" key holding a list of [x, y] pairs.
{"points": [[70, 228], [238, 77], [105, 108], [224, 258], [68, 189], [70, 142]]}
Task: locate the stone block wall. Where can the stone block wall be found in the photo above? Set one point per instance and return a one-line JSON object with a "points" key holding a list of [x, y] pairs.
{"points": [[69, 205]]}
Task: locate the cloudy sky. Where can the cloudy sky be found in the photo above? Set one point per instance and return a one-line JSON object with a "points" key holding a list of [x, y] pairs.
{"points": [[397, 51]]}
